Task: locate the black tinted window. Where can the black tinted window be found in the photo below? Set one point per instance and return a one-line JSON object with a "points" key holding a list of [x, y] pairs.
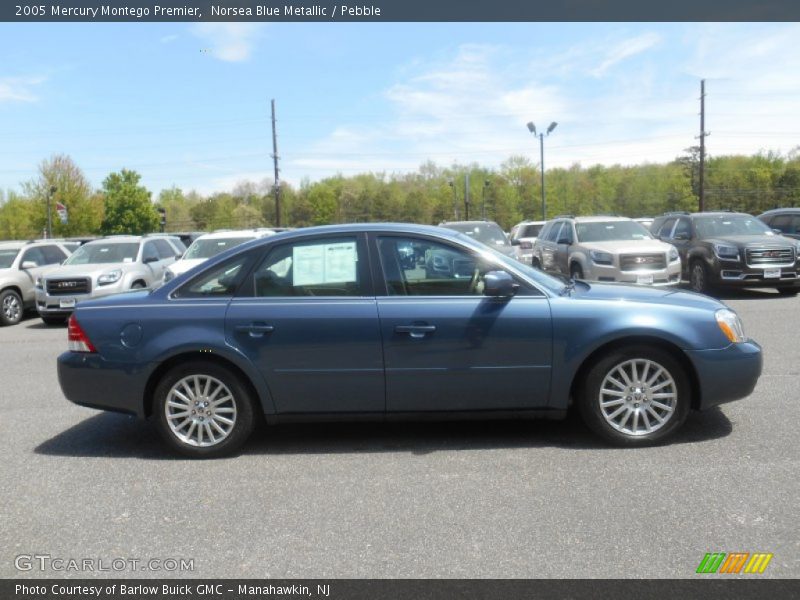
{"points": [[165, 250], [53, 255], [34, 255]]}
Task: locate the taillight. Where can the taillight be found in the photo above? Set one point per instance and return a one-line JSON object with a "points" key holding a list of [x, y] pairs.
{"points": [[77, 338]]}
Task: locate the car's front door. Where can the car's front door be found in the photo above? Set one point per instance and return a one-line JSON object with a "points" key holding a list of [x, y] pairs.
{"points": [[447, 346], [307, 319]]}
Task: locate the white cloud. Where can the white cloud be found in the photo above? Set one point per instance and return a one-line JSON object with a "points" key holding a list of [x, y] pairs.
{"points": [[231, 42], [168, 39], [626, 49], [19, 89]]}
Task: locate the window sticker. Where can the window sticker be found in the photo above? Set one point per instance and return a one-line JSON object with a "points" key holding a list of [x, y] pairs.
{"points": [[324, 263]]}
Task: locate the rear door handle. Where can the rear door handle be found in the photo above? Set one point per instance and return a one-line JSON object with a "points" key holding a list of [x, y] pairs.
{"points": [[254, 329], [415, 331]]}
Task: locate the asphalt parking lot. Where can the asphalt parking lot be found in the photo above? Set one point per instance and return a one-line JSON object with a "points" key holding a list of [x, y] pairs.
{"points": [[496, 499]]}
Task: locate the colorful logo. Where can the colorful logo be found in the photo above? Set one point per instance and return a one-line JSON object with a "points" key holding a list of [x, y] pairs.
{"points": [[734, 562]]}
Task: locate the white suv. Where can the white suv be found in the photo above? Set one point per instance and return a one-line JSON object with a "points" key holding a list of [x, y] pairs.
{"points": [[110, 265], [21, 263]]}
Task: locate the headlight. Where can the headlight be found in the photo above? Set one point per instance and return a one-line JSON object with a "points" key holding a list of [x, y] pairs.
{"points": [[731, 325], [110, 277], [601, 258], [673, 254], [39, 284], [168, 276], [725, 252]]}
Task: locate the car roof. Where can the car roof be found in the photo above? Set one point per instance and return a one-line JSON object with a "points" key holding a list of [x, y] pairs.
{"points": [[235, 233], [600, 219], [116, 239], [775, 211]]}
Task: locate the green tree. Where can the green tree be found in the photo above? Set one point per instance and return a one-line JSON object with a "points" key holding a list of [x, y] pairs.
{"points": [[128, 209]]}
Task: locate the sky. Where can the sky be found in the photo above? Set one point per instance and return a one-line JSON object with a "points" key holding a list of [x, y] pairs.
{"points": [[188, 104]]}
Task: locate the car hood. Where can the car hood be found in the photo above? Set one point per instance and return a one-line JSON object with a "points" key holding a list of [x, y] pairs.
{"points": [[643, 294], [90, 270], [628, 246], [183, 265], [753, 241]]}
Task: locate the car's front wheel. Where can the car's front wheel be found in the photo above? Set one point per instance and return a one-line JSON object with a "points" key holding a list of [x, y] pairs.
{"points": [[699, 277], [203, 411], [10, 307], [575, 271], [635, 396]]}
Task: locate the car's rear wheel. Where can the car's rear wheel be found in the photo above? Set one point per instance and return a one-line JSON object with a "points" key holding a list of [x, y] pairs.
{"points": [[203, 411], [54, 320], [10, 307], [635, 396], [699, 277]]}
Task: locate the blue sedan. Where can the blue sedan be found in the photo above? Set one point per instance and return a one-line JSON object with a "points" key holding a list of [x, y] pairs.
{"points": [[398, 321]]}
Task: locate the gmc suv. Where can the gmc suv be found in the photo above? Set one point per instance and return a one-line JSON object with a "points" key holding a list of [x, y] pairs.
{"points": [[730, 249], [106, 266], [605, 249]]}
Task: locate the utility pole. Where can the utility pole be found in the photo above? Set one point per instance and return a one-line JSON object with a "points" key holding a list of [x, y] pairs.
{"points": [[703, 135], [277, 186], [52, 190], [466, 196]]}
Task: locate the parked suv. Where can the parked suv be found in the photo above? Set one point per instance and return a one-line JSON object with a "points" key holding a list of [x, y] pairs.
{"points": [[106, 266], [21, 263], [605, 249], [523, 235], [730, 249], [486, 232], [785, 220]]}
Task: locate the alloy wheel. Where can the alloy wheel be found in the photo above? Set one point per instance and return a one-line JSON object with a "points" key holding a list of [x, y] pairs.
{"points": [[200, 410], [12, 309]]}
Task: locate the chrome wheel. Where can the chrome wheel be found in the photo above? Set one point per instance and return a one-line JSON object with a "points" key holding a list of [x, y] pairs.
{"points": [[638, 397], [698, 278], [200, 410], [12, 309]]}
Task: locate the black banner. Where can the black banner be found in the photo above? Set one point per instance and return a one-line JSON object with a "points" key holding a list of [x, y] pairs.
{"points": [[394, 589], [400, 10]]}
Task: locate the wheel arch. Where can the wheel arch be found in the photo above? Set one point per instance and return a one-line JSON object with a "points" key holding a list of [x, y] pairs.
{"points": [[197, 356], [676, 352]]}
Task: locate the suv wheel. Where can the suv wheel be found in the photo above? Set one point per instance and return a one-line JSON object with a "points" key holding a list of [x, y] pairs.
{"points": [[635, 396], [575, 271], [10, 307], [699, 277], [203, 411]]}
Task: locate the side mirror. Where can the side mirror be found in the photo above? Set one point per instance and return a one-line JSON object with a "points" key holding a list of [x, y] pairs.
{"points": [[150, 259], [29, 264], [777, 231], [499, 283], [564, 240], [515, 242], [681, 237]]}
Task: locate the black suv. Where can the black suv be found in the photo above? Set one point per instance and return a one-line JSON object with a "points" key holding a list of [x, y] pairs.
{"points": [[730, 249]]}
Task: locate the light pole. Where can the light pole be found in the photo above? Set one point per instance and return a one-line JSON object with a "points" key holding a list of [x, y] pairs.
{"points": [[53, 190], [532, 129], [483, 199], [452, 184]]}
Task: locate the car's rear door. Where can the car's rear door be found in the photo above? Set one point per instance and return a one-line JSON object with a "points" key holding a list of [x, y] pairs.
{"points": [[307, 318], [448, 347]]}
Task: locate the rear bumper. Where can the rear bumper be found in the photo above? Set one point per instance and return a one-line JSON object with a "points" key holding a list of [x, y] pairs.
{"points": [[728, 374], [89, 380]]}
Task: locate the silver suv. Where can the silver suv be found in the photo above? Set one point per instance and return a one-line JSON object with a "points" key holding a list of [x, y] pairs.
{"points": [[21, 263], [605, 249], [523, 236], [106, 266]]}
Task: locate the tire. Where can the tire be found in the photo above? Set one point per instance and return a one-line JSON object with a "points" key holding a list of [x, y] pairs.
{"points": [[788, 291], [575, 271], [232, 419], [535, 263], [699, 277], [54, 320], [627, 414], [11, 308], [138, 285]]}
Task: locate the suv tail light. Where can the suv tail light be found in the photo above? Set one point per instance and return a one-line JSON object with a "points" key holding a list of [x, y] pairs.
{"points": [[78, 341]]}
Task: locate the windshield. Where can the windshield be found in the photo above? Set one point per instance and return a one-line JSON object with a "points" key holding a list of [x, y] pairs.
{"points": [[610, 231], [94, 254], [529, 231], [211, 247], [7, 256], [722, 225], [488, 233]]}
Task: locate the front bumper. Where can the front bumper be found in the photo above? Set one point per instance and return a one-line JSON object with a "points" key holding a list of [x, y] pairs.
{"points": [[671, 275], [740, 274], [62, 304], [89, 380], [728, 374]]}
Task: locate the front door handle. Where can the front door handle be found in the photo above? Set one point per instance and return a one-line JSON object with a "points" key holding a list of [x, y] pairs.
{"points": [[255, 330], [415, 331]]}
